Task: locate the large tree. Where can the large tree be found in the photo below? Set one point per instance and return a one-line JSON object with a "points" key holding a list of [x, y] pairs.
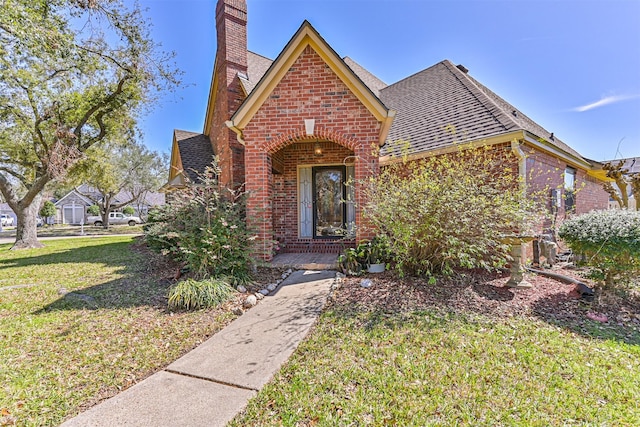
{"points": [[73, 73], [118, 175], [624, 180]]}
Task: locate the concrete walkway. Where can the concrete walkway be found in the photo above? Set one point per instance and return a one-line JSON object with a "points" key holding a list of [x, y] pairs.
{"points": [[212, 383]]}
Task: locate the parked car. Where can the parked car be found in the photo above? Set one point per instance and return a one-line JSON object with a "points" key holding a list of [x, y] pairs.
{"points": [[7, 220], [114, 219]]}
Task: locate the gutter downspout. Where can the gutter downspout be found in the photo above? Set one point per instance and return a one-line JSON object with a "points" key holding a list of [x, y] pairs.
{"points": [[231, 125], [522, 163]]}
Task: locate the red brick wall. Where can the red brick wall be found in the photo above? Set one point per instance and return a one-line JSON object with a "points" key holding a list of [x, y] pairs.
{"points": [[309, 90], [546, 172], [590, 195], [231, 59]]}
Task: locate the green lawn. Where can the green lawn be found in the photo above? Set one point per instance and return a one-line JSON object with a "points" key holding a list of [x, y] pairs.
{"points": [[434, 367], [60, 355], [76, 230]]}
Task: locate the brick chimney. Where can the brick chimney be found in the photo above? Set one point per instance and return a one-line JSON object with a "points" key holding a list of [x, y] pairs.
{"points": [[231, 60]]}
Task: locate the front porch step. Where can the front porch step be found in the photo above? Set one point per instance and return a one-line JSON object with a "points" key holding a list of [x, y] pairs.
{"points": [[305, 261]]}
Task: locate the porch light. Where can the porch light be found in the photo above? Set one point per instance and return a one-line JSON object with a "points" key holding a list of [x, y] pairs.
{"points": [[317, 149]]}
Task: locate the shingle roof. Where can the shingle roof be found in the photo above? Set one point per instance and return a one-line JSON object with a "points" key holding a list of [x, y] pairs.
{"points": [[372, 82], [443, 105], [257, 66], [196, 152]]}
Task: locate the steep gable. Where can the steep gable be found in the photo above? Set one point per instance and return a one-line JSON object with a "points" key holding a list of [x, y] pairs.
{"points": [[306, 37]]}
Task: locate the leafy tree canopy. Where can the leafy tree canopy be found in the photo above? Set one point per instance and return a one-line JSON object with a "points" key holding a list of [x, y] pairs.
{"points": [[129, 171], [73, 73]]}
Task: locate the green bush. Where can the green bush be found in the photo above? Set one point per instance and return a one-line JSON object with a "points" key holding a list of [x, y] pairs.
{"points": [[205, 230], [93, 210], [449, 211], [48, 209], [128, 210], [193, 294], [609, 241]]}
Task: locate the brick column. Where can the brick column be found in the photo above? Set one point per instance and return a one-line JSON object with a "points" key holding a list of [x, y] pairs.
{"points": [[366, 166], [259, 203]]}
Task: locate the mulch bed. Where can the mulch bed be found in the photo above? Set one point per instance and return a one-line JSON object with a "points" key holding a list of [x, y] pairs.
{"points": [[486, 293]]}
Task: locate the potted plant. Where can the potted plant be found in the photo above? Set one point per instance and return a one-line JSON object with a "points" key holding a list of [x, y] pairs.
{"points": [[354, 260], [378, 255]]}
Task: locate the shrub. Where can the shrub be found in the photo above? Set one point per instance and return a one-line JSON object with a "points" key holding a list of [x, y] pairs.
{"points": [[205, 230], [194, 294], [93, 210], [128, 210], [450, 211], [610, 242], [48, 209]]}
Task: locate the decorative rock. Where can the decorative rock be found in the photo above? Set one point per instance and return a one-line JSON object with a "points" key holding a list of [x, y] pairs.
{"points": [[241, 289], [284, 275], [238, 311], [259, 296], [272, 287], [278, 281], [602, 318], [250, 301], [340, 276], [366, 283], [264, 292], [289, 271]]}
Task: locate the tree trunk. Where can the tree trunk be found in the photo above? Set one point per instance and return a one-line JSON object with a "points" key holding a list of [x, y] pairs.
{"points": [[26, 229]]}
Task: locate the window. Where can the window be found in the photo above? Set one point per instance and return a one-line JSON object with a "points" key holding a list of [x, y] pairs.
{"points": [[569, 189]]}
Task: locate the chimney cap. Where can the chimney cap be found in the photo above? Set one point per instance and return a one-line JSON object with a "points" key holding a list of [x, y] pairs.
{"points": [[462, 68]]}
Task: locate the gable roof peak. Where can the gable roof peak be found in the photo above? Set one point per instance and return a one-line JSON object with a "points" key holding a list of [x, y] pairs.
{"points": [[307, 36]]}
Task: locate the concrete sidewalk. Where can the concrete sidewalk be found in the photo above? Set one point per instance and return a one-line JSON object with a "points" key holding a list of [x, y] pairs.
{"points": [[212, 383]]}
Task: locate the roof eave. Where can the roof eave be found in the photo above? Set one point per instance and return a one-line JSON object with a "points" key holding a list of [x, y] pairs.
{"points": [[501, 138], [544, 145]]}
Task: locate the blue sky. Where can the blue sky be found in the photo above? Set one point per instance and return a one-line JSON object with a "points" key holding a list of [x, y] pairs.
{"points": [[571, 65]]}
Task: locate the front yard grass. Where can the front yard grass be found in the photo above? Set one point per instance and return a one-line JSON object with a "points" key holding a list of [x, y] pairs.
{"points": [[60, 355], [445, 363]]}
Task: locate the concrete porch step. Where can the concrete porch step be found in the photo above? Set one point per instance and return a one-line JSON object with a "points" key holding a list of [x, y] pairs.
{"points": [[305, 261]]}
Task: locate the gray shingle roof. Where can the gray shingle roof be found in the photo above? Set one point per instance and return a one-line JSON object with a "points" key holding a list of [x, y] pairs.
{"points": [[371, 81], [196, 152], [443, 105], [257, 66]]}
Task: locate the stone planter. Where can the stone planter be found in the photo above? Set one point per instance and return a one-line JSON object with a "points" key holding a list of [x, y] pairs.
{"points": [[376, 268], [517, 271]]}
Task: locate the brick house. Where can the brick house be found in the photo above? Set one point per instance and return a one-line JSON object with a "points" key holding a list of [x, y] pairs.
{"points": [[297, 129]]}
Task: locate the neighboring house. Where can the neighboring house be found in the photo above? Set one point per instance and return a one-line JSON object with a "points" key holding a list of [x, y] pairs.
{"points": [[293, 130], [72, 208], [631, 164]]}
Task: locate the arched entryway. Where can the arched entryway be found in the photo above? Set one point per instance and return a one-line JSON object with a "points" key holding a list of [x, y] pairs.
{"points": [[307, 196]]}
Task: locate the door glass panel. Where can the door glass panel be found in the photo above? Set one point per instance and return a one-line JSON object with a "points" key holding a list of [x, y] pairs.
{"points": [[329, 201]]}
